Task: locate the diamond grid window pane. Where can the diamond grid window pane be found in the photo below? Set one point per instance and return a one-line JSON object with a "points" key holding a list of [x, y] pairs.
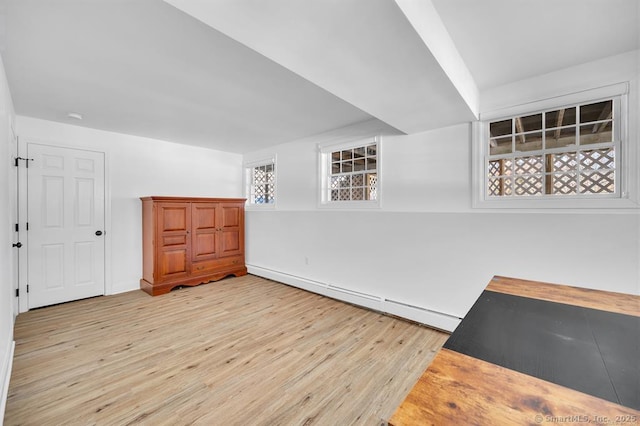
{"points": [[494, 168], [600, 182], [500, 167], [507, 166], [525, 165], [494, 187], [373, 187], [567, 162], [528, 185], [507, 185], [563, 183], [263, 184], [353, 174], [336, 182], [357, 194], [498, 187], [598, 159], [564, 162]]}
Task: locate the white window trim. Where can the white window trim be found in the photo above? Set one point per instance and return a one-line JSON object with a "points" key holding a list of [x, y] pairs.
{"points": [[324, 150], [248, 181], [626, 157]]}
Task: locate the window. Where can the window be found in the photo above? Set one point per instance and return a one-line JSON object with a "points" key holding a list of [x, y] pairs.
{"points": [[261, 179], [350, 173], [569, 152], [566, 151]]}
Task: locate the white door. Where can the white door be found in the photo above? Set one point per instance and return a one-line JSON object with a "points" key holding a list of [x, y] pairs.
{"points": [[65, 209]]}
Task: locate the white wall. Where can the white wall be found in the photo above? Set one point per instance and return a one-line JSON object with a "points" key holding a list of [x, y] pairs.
{"points": [[8, 255], [138, 167], [426, 246]]}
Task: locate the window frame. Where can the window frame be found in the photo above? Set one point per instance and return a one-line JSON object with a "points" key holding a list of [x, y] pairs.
{"points": [[249, 185], [623, 158], [324, 168]]}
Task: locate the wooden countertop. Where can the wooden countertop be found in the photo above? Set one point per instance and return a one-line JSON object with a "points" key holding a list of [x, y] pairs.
{"points": [[534, 353]]}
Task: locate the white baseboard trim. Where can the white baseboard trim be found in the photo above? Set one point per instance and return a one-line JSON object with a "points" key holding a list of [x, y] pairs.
{"points": [[434, 319], [5, 377], [431, 318], [122, 287]]}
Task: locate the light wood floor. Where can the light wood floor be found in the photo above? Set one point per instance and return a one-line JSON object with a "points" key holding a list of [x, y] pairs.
{"points": [[242, 351]]}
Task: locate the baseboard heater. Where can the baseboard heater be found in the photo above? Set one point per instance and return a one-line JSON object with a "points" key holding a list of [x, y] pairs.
{"points": [[354, 293], [437, 319], [420, 308], [431, 318]]}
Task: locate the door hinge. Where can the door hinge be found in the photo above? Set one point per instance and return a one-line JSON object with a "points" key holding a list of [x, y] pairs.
{"points": [[27, 226], [17, 228], [26, 160], [17, 292], [27, 288]]}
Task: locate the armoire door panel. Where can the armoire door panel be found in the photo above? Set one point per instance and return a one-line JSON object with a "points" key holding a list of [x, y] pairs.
{"points": [[174, 240], [204, 216], [230, 216], [204, 245], [231, 244], [173, 262], [205, 227], [174, 218]]}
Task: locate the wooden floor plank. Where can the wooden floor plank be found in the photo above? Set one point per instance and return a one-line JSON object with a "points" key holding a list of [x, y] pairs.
{"points": [[587, 298], [239, 351], [459, 389]]}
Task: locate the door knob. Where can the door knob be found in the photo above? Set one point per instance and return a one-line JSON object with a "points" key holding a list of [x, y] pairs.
{"points": [[98, 233], [18, 244]]}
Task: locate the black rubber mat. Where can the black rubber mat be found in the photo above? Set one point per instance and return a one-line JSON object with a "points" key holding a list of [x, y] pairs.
{"points": [[592, 351]]}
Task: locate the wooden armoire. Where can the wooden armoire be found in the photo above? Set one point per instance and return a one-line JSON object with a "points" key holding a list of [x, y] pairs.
{"points": [[188, 241]]}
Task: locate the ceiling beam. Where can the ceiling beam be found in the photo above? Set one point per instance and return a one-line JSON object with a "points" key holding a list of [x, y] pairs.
{"points": [[426, 21], [350, 49]]}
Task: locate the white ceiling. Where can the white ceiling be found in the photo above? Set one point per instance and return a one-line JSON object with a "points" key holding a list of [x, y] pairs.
{"points": [[240, 75], [503, 41]]}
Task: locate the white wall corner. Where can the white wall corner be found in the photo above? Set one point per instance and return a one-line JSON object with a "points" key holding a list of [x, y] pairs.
{"points": [[477, 164], [426, 21]]}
